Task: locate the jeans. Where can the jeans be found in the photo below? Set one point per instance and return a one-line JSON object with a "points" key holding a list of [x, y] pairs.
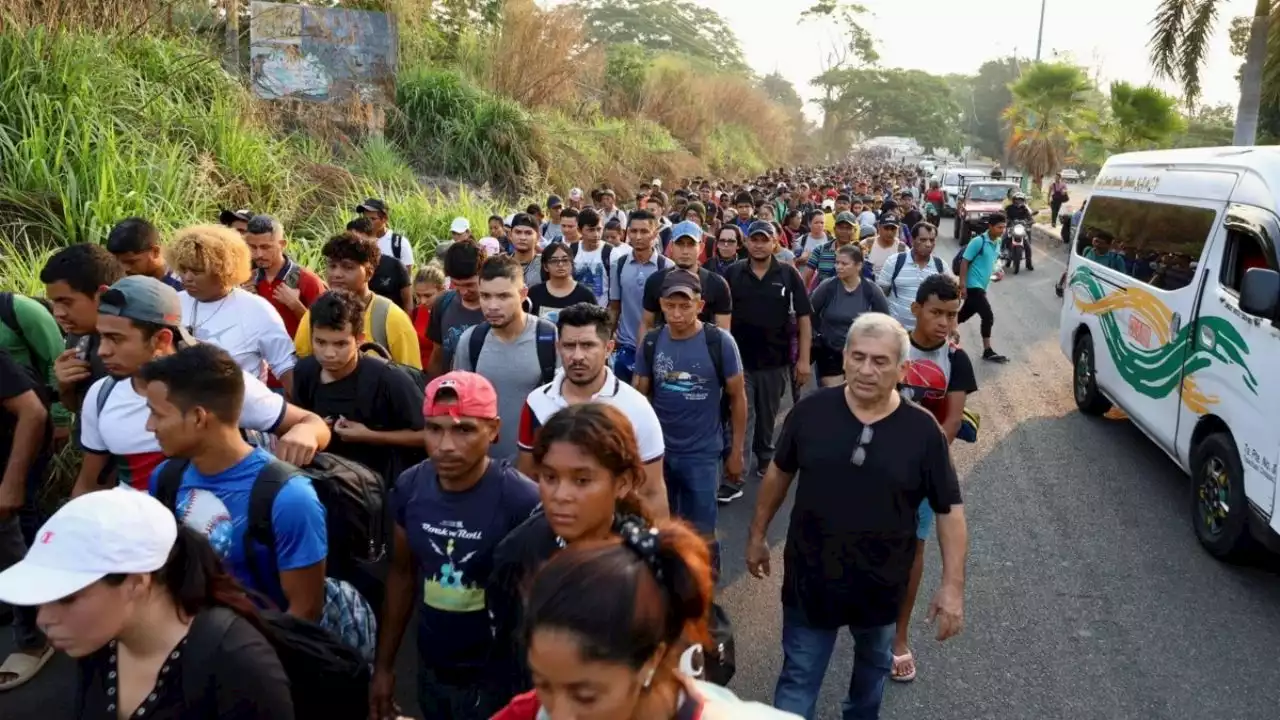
{"points": [[764, 398], [16, 535], [806, 654], [624, 362], [692, 481], [450, 695]]}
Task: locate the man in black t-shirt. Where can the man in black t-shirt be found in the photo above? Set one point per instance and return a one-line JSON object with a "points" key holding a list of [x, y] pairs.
{"points": [[717, 304], [25, 433], [391, 278], [374, 409], [851, 539]]}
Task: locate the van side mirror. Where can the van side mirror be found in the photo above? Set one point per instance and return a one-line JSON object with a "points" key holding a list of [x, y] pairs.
{"points": [[1260, 293]]}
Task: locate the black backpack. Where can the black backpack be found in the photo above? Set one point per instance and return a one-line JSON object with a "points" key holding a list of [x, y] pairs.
{"points": [[354, 499], [418, 376], [546, 341], [714, 343], [397, 244], [327, 677], [901, 262]]}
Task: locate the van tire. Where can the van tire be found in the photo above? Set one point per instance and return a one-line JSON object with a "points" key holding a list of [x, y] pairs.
{"points": [[1216, 469], [1084, 379]]}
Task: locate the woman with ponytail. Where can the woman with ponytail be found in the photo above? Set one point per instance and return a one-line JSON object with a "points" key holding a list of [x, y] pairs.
{"points": [[142, 603], [588, 467], [606, 624]]}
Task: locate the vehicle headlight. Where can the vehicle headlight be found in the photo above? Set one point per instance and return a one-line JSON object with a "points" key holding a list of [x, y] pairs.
{"points": [[975, 216]]}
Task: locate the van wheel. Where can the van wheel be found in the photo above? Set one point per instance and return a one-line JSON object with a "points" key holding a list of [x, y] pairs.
{"points": [[1219, 509], [1085, 385]]}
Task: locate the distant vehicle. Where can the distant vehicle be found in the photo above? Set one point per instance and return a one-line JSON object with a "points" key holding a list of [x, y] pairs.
{"points": [[1072, 175], [952, 180], [978, 199]]}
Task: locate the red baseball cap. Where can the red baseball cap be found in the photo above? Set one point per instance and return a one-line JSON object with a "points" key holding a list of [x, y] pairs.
{"points": [[475, 397]]}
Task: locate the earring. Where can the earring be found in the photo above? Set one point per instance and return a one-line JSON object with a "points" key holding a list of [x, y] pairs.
{"points": [[648, 679]]}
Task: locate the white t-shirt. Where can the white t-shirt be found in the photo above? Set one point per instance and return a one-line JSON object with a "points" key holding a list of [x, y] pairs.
{"points": [[589, 270], [867, 218], [245, 325], [880, 253], [406, 248], [546, 400], [121, 428]]}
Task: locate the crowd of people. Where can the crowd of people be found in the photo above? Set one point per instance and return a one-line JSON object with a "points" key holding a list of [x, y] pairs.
{"points": [[520, 445]]}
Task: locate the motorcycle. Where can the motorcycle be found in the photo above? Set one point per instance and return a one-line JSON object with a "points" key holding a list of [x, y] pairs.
{"points": [[1016, 246], [931, 214]]}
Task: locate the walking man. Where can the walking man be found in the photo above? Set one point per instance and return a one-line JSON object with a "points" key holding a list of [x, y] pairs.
{"points": [[976, 265]]}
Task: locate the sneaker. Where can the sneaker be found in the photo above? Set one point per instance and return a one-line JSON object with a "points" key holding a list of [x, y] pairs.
{"points": [[992, 356], [728, 492]]}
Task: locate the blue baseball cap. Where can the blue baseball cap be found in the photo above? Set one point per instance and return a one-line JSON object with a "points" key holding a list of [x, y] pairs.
{"points": [[688, 228], [761, 227]]}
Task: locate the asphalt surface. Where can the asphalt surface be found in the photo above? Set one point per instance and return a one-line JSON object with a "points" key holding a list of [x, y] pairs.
{"points": [[1087, 597]]}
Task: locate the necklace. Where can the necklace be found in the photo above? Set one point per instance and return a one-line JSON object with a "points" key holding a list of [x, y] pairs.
{"points": [[195, 312]]}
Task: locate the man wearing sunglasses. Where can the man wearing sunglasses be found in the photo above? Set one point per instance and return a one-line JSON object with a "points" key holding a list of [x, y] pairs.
{"points": [[851, 540]]}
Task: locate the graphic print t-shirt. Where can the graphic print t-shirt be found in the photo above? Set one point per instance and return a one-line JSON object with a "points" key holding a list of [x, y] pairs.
{"points": [[589, 271], [449, 319], [934, 372], [686, 392], [218, 507], [452, 536]]}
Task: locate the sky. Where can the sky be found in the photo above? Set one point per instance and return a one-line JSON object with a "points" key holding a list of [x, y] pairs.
{"points": [[945, 36]]}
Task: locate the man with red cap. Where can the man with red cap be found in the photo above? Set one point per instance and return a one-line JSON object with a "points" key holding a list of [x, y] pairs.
{"points": [[450, 513]]}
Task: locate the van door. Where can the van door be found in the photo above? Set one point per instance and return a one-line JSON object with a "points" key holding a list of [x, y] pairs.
{"points": [[1230, 371], [1139, 310]]}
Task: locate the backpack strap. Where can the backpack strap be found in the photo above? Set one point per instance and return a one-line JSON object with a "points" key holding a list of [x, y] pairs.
{"points": [[715, 345], [381, 308], [9, 315], [397, 244], [622, 264], [546, 344], [479, 334], [939, 265], [203, 640], [649, 346], [104, 392], [170, 480], [262, 499], [898, 263], [604, 255], [293, 277]]}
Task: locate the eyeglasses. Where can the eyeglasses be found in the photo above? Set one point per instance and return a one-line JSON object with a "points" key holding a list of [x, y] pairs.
{"points": [[559, 261], [860, 452]]}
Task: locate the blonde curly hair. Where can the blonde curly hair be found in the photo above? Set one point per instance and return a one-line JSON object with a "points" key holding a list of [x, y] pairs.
{"points": [[212, 249]]}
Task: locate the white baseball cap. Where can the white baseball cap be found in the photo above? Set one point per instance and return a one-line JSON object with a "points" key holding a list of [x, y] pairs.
{"points": [[119, 531], [490, 245], [575, 194], [460, 225]]}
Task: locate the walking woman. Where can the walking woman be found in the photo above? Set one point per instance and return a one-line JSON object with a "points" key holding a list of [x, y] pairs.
{"points": [[559, 290], [837, 302], [728, 250], [1057, 196], [143, 604], [606, 623], [588, 468]]}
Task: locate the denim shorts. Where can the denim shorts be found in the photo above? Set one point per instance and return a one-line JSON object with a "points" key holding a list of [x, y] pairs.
{"points": [[924, 521]]}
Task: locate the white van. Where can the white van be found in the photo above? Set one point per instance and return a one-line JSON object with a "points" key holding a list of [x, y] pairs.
{"points": [[1172, 313]]}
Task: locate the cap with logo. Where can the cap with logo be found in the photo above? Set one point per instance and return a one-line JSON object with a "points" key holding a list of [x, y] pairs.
{"points": [[142, 298], [374, 205], [472, 396], [226, 217], [554, 201], [459, 225], [681, 282], [828, 204], [847, 218], [109, 532], [687, 228], [888, 219], [761, 227]]}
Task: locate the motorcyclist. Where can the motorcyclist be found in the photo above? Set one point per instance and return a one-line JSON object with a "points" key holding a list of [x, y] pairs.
{"points": [[1019, 211], [934, 200]]}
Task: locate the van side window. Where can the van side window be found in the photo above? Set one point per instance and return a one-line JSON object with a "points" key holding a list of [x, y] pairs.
{"points": [[1161, 242], [1244, 251]]}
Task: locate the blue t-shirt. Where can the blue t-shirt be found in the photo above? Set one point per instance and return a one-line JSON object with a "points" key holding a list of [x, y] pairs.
{"points": [[452, 536], [218, 506], [626, 285], [685, 391], [981, 252]]}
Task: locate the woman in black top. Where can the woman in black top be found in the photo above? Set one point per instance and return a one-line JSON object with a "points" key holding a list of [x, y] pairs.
{"points": [[560, 289], [589, 467], [141, 601]]}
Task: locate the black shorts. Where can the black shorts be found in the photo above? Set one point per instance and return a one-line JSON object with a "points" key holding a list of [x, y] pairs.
{"points": [[830, 363]]}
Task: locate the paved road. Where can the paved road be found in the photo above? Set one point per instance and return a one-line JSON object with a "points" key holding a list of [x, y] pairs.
{"points": [[1088, 596]]}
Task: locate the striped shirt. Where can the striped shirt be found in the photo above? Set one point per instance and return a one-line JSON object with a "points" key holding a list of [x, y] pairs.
{"points": [[903, 292]]}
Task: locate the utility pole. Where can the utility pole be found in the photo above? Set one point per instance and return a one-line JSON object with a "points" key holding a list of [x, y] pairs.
{"points": [[1040, 35], [231, 50]]}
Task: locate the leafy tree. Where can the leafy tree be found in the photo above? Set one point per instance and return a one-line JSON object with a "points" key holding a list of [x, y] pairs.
{"points": [[1269, 112], [678, 26], [909, 103], [1180, 42], [1046, 114], [848, 16], [781, 91], [989, 97], [625, 69], [1140, 118], [1208, 126]]}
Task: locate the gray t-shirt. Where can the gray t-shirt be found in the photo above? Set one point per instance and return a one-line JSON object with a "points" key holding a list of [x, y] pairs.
{"points": [[627, 287], [685, 391], [446, 327], [533, 272], [513, 369], [836, 308]]}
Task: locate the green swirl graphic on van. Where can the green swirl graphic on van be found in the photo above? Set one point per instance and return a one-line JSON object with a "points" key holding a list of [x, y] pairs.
{"points": [[1146, 356]]}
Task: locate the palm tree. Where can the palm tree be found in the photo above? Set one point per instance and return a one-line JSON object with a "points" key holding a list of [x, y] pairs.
{"points": [[1183, 29], [1047, 112]]}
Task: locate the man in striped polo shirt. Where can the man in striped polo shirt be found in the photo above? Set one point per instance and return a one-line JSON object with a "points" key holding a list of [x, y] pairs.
{"points": [[901, 274]]}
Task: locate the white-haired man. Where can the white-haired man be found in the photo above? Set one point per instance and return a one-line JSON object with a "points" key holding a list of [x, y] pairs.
{"points": [[859, 507]]}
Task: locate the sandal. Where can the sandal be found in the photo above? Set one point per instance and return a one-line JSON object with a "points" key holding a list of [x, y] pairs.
{"points": [[23, 667], [904, 668]]}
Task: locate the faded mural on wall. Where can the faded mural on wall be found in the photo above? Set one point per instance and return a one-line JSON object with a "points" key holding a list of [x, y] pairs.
{"points": [[321, 54]]}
